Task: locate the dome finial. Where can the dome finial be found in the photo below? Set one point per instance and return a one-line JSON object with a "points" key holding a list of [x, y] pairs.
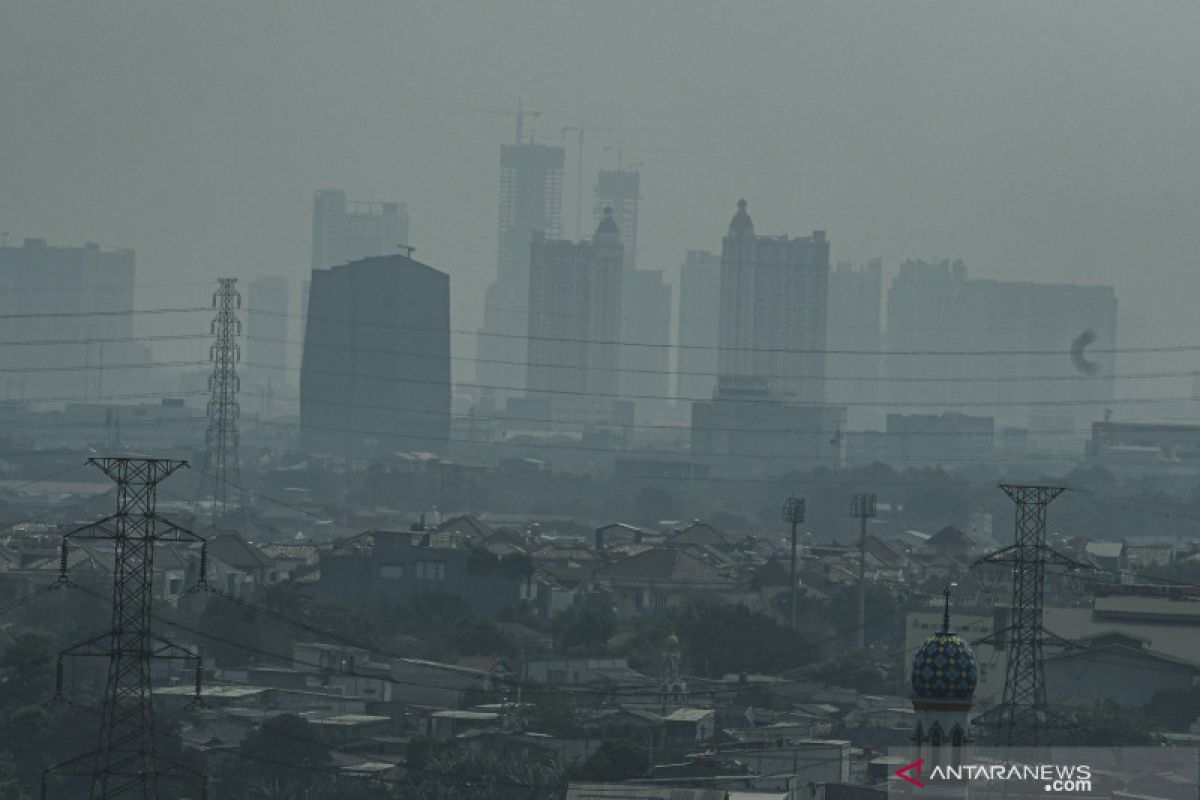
{"points": [[946, 610]]}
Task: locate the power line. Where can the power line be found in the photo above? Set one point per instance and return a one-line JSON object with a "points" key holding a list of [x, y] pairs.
{"points": [[900, 404], [128, 312], [1065, 351]]}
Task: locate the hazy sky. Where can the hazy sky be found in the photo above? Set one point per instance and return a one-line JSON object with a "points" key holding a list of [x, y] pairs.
{"points": [[1039, 140]]}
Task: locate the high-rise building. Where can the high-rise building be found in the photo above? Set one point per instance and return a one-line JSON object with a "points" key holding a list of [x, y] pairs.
{"points": [[267, 380], [618, 189], [376, 371], [646, 343], [699, 330], [1001, 348], [77, 302], [854, 339], [531, 178], [345, 231], [774, 298], [574, 324]]}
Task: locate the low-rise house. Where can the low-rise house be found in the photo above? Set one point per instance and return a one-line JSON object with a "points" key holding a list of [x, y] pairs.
{"points": [[666, 577], [687, 728], [394, 566], [446, 725], [235, 566], [572, 671]]}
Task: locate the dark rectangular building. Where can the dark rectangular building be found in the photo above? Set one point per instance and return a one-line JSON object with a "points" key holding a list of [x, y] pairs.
{"points": [[376, 373]]}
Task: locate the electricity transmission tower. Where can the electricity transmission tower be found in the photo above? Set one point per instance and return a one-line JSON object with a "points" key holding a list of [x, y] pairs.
{"points": [[1023, 715], [125, 763], [221, 466]]}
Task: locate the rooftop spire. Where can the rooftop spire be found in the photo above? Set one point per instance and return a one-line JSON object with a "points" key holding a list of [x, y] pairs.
{"points": [[741, 224], [607, 226]]}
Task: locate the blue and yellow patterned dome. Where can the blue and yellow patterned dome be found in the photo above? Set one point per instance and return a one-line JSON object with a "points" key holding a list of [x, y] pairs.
{"points": [[944, 669]]}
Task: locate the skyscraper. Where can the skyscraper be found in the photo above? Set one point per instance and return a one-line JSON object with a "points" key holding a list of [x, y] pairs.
{"points": [[345, 231], [699, 329], [266, 370], [79, 302], [531, 178], [618, 189], [854, 340], [774, 299], [574, 324], [376, 372]]}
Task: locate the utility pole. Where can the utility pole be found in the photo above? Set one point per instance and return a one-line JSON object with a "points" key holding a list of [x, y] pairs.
{"points": [[221, 466], [863, 507], [1023, 714], [793, 512], [125, 763]]}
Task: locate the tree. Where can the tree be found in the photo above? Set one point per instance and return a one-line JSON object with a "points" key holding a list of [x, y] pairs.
{"points": [[1106, 724], [722, 639], [551, 713], [456, 775], [287, 755], [587, 625], [614, 760]]}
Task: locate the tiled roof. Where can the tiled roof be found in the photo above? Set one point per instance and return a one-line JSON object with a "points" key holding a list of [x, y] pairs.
{"points": [[664, 564]]}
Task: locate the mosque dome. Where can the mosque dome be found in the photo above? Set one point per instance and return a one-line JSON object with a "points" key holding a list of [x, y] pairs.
{"points": [[944, 668]]}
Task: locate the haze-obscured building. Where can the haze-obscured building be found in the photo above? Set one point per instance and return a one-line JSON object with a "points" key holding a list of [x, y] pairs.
{"points": [[76, 303], [574, 324], [531, 177], [699, 328], [1001, 348], [949, 440], [774, 299], [345, 231], [376, 371], [267, 383], [646, 343], [854, 339], [746, 427]]}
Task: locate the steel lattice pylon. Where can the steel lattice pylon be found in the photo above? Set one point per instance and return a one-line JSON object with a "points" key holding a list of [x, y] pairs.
{"points": [[221, 465], [125, 763], [1023, 715]]}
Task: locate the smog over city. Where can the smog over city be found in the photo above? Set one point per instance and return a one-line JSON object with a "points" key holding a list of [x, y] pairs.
{"points": [[536, 400]]}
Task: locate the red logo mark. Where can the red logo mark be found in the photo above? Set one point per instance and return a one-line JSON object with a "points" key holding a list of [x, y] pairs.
{"points": [[915, 781]]}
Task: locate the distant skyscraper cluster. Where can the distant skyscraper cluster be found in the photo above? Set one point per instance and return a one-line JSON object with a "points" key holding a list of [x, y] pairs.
{"points": [[531, 178], [777, 355]]}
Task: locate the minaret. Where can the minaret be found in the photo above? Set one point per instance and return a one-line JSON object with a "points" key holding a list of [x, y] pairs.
{"points": [[944, 675], [673, 689]]}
